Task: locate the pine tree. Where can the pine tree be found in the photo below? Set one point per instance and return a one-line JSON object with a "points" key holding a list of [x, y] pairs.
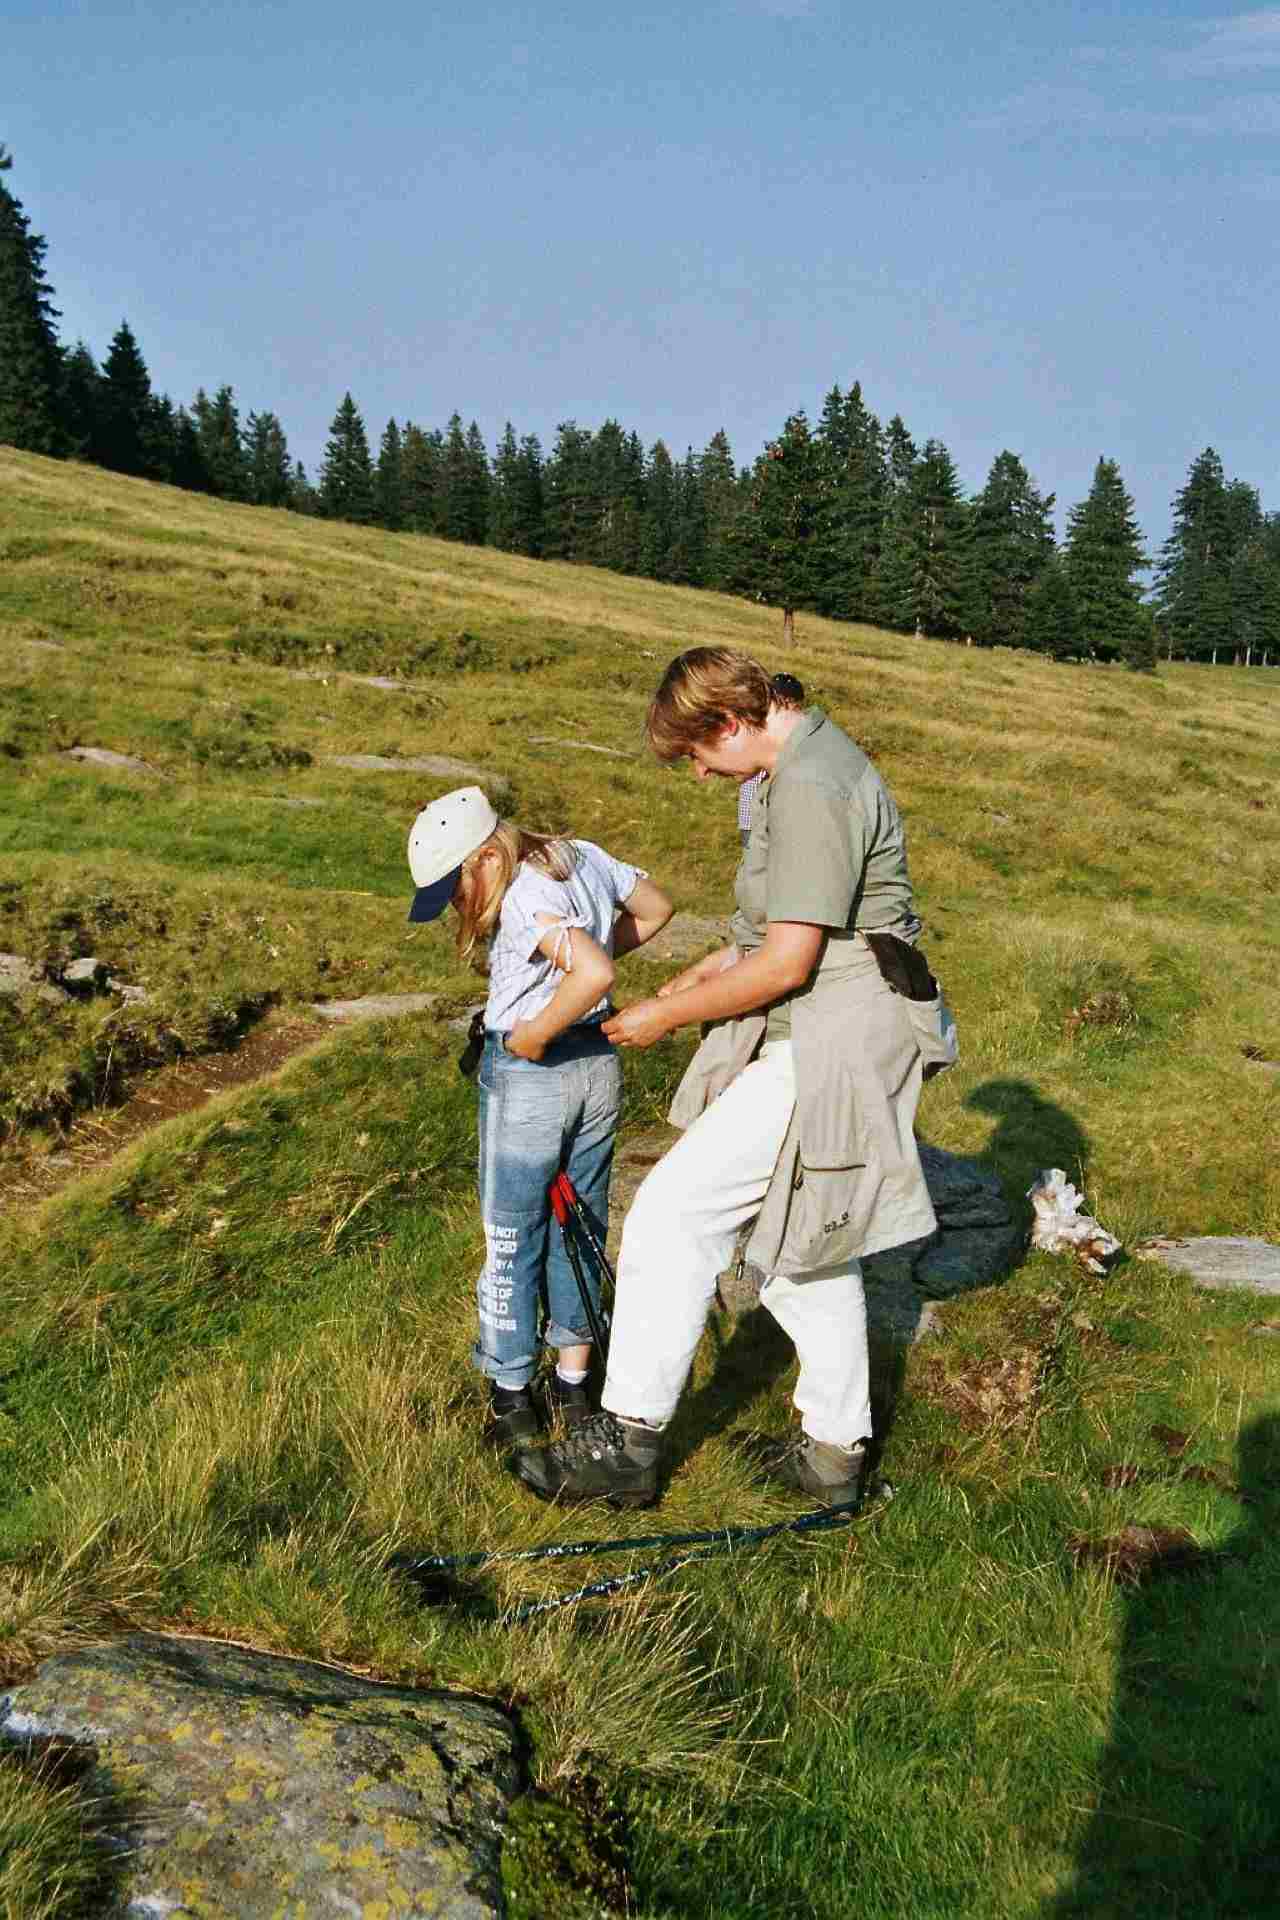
{"points": [[303, 497], [1193, 578], [388, 481], [159, 449], [1052, 622], [689, 541], [30, 359], [80, 402], [1255, 597], [852, 450], [452, 504], [126, 403], [346, 477], [268, 467], [891, 595], [923, 581], [1104, 555], [502, 495], [567, 493], [527, 534], [1012, 532], [189, 469]]}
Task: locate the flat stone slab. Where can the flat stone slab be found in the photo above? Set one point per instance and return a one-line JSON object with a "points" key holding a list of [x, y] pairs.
{"points": [[374, 1006], [439, 764], [1220, 1263], [686, 936], [290, 800], [106, 757], [249, 1786]]}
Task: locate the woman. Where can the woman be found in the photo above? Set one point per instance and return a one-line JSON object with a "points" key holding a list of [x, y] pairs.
{"points": [[799, 1106]]}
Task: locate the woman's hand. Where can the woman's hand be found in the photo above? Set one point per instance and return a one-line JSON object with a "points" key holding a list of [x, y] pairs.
{"points": [[523, 1041], [700, 970], [639, 1025]]}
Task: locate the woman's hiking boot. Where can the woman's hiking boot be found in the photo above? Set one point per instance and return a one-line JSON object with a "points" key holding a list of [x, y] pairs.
{"points": [[832, 1476], [602, 1458], [569, 1401], [513, 1416]]}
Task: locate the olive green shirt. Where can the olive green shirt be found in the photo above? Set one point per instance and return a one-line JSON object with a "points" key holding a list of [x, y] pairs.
{"points": [[826, 847]]}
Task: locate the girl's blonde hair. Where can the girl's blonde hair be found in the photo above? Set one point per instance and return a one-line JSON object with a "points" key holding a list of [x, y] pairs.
{"points": [[700, 692], [487, 881]]}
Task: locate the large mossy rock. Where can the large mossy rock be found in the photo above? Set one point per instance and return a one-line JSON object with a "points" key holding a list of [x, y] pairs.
{"points": [[249, 1786]]}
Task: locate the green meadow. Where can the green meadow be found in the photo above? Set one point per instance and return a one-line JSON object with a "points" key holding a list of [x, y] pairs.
{"points": [[233, 1360]]}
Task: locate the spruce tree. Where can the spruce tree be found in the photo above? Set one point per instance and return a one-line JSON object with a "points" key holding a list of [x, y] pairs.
{"points": [[189, 469], [891, 597], [527, 531], [221, 444], [303, 497], [780, 531], [1104, 556], [852, 451], [722, 503], [1255, 597], [30, 359], [1012, 536], [80, 404], [942, 590], [567, 493], [346, 476], [419, 477], [126, 406], [453, 496], [159, 444], [1052, 623], [478, 482], [658, 533], [689, 541], [1193, 577], [502, 494], [267, 465], [388, 481]]}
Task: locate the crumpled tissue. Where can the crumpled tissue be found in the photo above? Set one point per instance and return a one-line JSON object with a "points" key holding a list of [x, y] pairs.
{"points": [[1061, 1227]]}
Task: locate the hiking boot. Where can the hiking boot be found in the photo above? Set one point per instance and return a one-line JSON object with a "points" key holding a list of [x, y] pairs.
{"points": [[602, 1458], [513, 1416], [571, 1402], [831, 1476]]}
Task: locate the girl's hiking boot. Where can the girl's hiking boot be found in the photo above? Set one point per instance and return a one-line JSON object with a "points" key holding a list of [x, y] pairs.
{"points": [[831, 1476], [513, 1416], [601, 1458], [571, 1402]]}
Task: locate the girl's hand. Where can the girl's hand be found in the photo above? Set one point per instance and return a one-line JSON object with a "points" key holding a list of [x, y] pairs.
{"points": [[524, 1043], [639, 1025]]}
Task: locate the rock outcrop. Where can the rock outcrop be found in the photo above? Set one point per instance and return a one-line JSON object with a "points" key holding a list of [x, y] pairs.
{"points": [[247, 1785]]}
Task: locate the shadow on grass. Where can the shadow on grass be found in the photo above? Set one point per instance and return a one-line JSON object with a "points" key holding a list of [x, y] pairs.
{"points": [[1032, 1133], [1187, 1818], [756, 1354]]}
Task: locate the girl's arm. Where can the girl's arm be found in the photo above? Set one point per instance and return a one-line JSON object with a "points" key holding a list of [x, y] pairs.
{"points": [[645, 912], [783, 963], [587, 976]]}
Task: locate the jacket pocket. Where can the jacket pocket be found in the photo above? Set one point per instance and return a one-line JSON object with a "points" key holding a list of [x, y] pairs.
{"points": [[934, 1027]]}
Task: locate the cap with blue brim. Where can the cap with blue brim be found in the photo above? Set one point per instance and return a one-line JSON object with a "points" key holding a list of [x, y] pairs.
{"points": [[440, 839]]}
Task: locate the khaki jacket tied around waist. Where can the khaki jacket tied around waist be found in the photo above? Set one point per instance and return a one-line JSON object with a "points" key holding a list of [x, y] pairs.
{"points": [[848, 1180]]}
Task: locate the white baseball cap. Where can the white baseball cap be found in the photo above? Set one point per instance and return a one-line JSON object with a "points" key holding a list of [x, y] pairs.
{"points": [[440, 839]]}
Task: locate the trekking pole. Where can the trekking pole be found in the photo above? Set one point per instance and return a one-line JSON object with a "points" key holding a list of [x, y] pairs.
{"points": [[582, 1221], [560, 1206]]}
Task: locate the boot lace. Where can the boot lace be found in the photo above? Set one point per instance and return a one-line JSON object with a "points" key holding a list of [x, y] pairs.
{"points": [[599, 1434]]}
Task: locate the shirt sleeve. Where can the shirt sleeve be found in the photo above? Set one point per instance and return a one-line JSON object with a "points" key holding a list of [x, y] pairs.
{"points": [[622, 877], [818, 844], [533, 892]]}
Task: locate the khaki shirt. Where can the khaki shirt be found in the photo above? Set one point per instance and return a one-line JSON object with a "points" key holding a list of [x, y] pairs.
{"points": [[848, 1180], [827, 847]]}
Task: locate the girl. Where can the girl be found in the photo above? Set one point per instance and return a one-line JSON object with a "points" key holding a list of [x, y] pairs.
{"points": [[546, 918]]}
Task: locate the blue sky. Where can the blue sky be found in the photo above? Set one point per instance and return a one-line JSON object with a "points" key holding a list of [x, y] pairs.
{"points": [[1044, 227]]}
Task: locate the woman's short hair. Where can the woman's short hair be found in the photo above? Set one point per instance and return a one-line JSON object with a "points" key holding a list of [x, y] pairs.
{"points": [[700, 693]]}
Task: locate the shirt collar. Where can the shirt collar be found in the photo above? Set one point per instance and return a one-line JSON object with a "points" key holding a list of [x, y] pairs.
{"points": [[811, 720]]}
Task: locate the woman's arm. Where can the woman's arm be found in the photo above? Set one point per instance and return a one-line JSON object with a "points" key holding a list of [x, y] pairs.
{"points": [[587, 976], [784, 962], [645, 911]]}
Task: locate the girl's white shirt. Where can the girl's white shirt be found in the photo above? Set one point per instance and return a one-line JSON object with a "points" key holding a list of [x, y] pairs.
{"points": [[521, 977]]}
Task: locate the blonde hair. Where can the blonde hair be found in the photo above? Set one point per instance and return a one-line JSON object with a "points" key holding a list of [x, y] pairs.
{"points": [[487, 881], [700, 692]]}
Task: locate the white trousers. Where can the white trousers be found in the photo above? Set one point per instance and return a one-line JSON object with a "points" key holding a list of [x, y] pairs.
{"points": [[680, 1234]]}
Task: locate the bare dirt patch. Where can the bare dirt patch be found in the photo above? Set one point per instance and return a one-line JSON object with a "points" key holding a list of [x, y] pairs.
{"points": [[184, 1087]]}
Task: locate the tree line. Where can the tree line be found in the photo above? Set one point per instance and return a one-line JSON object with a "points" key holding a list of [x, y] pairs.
{"points": [[850, 518]]}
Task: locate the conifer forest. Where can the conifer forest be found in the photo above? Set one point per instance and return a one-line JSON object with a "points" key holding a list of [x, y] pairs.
{"points": [[851, 516]]}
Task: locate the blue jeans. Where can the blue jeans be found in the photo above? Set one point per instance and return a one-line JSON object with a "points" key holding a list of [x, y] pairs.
{"points": [[537, 1118]]}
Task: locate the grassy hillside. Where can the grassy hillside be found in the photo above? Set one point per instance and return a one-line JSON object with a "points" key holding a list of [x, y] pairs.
{"points": [[235, 1361]]}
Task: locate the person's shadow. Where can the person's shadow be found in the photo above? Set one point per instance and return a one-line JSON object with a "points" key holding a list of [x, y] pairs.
{"points": [[1032, 1133], [1187, 1820]]}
